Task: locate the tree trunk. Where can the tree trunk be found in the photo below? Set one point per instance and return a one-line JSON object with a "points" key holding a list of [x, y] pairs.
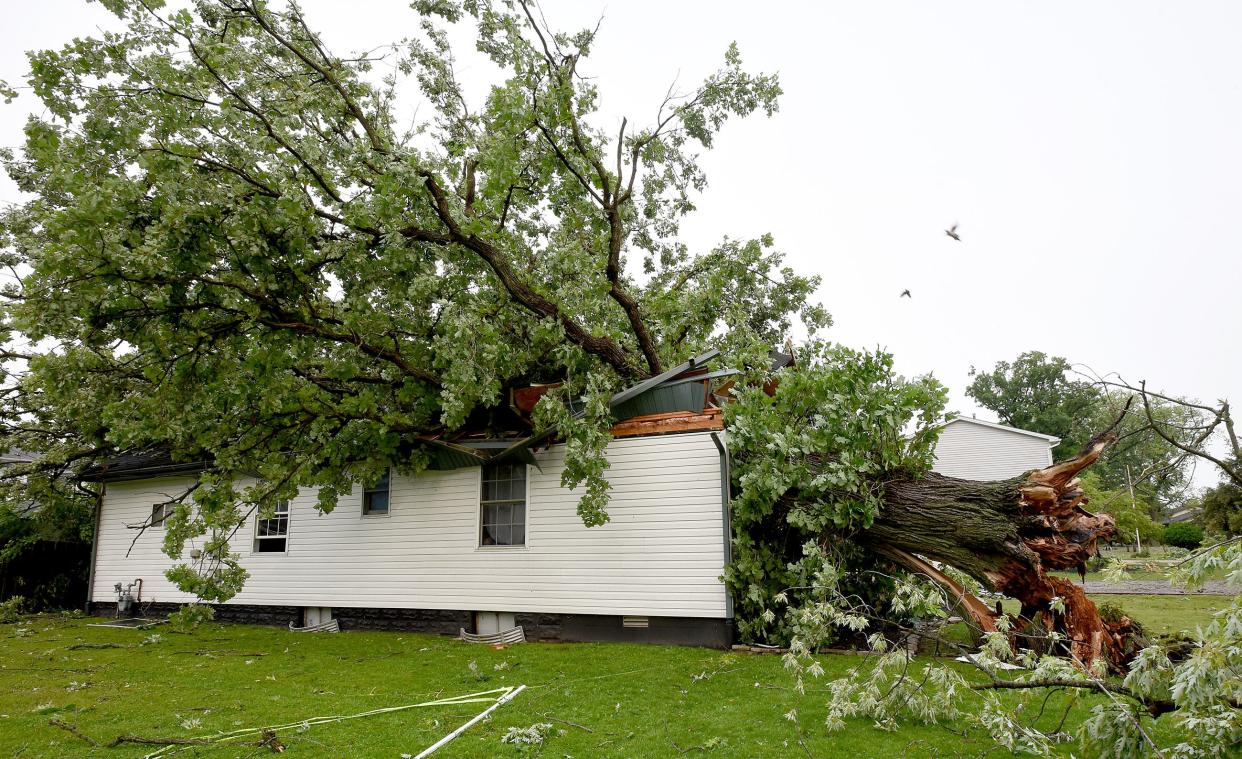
{"points": [[1008, 535]]}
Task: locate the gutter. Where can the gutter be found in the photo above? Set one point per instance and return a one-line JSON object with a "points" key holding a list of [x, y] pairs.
{"points": [[726, 514], [146, 472]]}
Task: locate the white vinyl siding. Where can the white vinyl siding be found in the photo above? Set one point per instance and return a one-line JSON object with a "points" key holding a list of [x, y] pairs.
{"points": [[662, 553], [978, 452]]}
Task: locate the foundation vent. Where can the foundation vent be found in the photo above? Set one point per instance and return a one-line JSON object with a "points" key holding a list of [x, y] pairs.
{"points": [[634, 622]]}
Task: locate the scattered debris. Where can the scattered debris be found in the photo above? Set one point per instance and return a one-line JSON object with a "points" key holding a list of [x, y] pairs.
{"points": [[999, 664], [133, 623], [509, 696], [759, 648], [271, 741], [73, 730], [528, 736], [567, 722], [267, 733]]}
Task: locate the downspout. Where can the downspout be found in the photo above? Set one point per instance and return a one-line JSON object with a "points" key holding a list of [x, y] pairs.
{"points": [[726, 515], [90, 575]]}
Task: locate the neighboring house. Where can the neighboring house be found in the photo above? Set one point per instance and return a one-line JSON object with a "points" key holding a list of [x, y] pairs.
{"points": [[973, 449], [1190, 514], [473, 543]]}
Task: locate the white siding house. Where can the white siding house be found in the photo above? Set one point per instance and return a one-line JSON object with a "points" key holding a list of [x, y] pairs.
{"points": [[659, 558], [977, 450]]}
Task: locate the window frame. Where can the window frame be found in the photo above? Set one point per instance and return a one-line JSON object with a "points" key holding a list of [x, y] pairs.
{"points": [[254, 542], [168, 510], [480, 504], [367, 490]]}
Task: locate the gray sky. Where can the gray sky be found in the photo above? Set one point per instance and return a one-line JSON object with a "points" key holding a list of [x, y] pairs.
{"points": [[1089, 151]]}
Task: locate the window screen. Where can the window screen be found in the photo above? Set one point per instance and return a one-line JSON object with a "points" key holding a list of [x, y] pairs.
{"points": [[272, 535], [160, 512], [503, 505], [375, 497]]}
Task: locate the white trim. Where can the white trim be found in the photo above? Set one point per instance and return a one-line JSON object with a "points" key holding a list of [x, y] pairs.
{"points": [[255, 537], [362, 502], [998, 426], [167, 509], [478, 517]]}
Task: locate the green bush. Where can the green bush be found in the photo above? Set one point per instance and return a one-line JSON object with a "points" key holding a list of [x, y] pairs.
{"points": [[1183, 535], [189, 617], [11, 610]]}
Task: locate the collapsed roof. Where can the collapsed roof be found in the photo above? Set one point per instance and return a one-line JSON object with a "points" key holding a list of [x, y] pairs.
{"points": [[682, 399]]}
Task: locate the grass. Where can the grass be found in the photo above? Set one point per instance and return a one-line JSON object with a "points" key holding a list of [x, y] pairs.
{"points": [[623, 700], [1159, 615], [1163, 615], [1138, 569]]}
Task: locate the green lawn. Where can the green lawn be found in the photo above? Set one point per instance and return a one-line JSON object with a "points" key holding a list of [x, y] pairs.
{"points": [[609, 699], [1138, 570], [1162, 615]]}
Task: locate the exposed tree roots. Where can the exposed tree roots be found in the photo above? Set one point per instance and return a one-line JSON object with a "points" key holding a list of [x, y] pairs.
{"points": [[1009, 535]]}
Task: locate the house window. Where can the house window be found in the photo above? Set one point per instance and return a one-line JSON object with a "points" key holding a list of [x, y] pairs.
{"points": [[161, 512], [375, 496], [272, 535], [503, 504]]}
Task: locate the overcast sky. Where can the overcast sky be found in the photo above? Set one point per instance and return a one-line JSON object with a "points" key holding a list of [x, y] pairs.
{"points": [[1091, 153]]}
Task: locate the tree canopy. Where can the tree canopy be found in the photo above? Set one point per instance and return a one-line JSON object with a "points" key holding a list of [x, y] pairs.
{"points": [[1034, 393], [237, 253], [1042, 393], [1222, 508]]}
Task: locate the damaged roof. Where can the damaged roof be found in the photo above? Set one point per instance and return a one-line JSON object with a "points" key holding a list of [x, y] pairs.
{"points": [[677, 400]]}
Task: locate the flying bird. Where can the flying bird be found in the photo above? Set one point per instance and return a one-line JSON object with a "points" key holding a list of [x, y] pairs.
{"points": [[906, 294], [952, 232]]}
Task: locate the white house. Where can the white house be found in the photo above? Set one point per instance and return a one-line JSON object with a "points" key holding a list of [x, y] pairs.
{"points": [[977, 450], [478, 547], [483, 542]]}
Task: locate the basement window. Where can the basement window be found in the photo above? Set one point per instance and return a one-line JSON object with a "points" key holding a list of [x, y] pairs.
{"points": [[272, 535], [160, 512], [375, 496], [503, 505]]}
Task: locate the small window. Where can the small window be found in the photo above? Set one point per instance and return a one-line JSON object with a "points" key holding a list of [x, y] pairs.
{"points": [[375, 496], [272, 535], [161, 512], [503, 505]]}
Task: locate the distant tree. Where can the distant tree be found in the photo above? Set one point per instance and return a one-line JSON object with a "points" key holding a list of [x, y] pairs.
{"points": [[1155, 468], [1044, 394], [1183, 535], [1131, 513], [1222, 509], [1036, 393]]}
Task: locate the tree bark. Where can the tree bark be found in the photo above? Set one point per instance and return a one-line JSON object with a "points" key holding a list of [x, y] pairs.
{"points": [[1008, 535]]}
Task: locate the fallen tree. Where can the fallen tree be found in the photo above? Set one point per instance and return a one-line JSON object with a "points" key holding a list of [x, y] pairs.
{"points": [[809, 464], [1009, 535]]}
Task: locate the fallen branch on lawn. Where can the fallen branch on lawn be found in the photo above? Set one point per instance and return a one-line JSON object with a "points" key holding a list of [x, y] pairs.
{"points": [[57, 722], [1155, 707], [166, 742], [172, 745]]}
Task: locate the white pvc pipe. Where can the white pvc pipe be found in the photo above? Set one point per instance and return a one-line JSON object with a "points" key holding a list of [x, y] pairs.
{"points": [[499, 703]]}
